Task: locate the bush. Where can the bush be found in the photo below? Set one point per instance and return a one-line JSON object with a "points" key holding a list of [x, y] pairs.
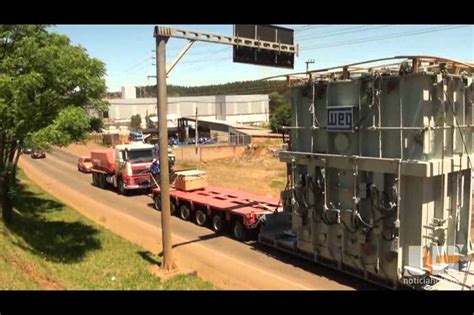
{"points": [[136, 122], [280, 117], [96, 124]]}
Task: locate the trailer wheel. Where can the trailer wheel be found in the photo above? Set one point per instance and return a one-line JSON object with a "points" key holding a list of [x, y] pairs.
{"points": [[184, 212], [218, 223], [238, 230], [157, 202], [172, 207], [201, 218]]}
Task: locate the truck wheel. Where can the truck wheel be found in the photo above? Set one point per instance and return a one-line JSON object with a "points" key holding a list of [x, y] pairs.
{"points": [[201, 218], [238, 230], [94, 180], [121, 187], [157, 202], [184, 212], [218, 223], [102, 181]]}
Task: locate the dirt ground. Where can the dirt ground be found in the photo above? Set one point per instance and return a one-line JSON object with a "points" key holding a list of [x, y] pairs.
{"points": [[83, 149]]}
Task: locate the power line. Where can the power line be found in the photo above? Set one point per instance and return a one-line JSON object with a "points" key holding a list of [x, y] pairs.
{"points": [[328, 32], [377, 38], [345, 32], [309, 27]]}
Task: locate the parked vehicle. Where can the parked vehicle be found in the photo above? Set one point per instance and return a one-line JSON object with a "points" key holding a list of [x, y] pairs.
{"points": [[27, 150], [135, 136], [84, 164], [38, 155]]}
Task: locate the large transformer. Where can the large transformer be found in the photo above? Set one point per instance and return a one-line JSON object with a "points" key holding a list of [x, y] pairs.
{"points": [[379, 173]]}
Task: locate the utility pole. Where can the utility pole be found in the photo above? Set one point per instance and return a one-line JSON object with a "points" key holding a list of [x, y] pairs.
{"points": [[307, 66], [196, 131], [162, 34], [307, 63], [168, 263]]}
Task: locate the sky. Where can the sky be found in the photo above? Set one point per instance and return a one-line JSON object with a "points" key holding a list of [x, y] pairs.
{"points": [[127, 50]]}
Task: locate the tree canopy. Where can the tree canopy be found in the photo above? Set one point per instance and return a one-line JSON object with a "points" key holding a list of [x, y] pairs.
{"points": [[46, 87], [136, 122]]}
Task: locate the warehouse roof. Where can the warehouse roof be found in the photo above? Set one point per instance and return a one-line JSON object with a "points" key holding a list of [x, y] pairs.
{"points": [[245, 129]]}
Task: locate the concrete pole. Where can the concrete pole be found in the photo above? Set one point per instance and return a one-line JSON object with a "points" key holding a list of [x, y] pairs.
{"points": [[197, 133], [168, 263]]}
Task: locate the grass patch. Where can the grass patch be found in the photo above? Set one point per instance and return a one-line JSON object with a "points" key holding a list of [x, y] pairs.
{"points": [[50, 246], [186, 164], [277, 183]]}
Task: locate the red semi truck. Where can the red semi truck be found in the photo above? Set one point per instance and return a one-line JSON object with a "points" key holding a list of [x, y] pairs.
{"points": [[126, 167]]}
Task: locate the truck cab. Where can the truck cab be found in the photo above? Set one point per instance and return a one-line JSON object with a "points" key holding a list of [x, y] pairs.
{"points": [[132, 166]]}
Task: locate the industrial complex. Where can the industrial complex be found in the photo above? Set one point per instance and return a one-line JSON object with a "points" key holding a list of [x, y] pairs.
{"points": [[343, 177]]}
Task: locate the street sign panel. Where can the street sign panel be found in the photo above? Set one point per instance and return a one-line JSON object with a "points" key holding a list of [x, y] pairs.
{"points": [[263, 57]]}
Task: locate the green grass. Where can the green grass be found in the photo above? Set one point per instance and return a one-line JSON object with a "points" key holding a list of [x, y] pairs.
{"points": [[50, 246], [277, 183]]}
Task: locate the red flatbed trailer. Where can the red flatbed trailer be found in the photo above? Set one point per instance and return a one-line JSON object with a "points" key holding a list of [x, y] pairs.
{"points": [[222, 207]]}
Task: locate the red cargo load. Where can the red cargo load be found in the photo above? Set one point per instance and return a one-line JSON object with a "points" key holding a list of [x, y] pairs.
{"points": [[103, 160]]}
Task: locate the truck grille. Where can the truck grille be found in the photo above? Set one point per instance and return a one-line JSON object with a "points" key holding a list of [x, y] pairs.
{"points": [[140, 171]]}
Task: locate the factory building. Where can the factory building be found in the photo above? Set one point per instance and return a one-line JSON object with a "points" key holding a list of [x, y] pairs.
{"points": [[234, 109]]}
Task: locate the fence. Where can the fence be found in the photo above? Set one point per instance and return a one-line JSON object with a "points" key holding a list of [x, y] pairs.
{"points": [[108, 139], [207, 152], [240, 140], [114, 139]]}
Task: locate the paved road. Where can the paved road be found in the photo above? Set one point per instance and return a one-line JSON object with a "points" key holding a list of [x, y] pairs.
{"points": [[220, 259]]}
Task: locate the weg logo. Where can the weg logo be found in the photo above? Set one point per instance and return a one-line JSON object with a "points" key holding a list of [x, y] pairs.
{"points": [[340, 118]]}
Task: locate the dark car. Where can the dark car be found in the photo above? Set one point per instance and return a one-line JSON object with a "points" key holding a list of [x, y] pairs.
{"points": [[38, 155], [27, 150]]}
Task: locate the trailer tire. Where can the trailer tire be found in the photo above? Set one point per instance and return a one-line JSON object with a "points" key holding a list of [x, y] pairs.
{"points": [[184, 212], [201, 217], [239, 231], [157, 204], [218, 223], [172, 207]]}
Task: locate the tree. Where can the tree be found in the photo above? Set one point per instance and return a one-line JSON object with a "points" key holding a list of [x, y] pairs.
{"points": [[136, 122], [280, 112], [96, 124], [280, 117], [276, 100], [149, 123], [45, 84]]}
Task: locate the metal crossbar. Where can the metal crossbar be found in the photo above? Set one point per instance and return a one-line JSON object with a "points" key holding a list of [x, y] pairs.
{"points": [[222, 39]]}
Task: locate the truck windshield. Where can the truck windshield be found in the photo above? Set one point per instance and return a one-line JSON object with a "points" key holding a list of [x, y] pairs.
{"points": [[144, 155]]}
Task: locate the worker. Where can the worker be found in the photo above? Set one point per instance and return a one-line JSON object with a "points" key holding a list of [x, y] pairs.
{"points": [[155, 171]]}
